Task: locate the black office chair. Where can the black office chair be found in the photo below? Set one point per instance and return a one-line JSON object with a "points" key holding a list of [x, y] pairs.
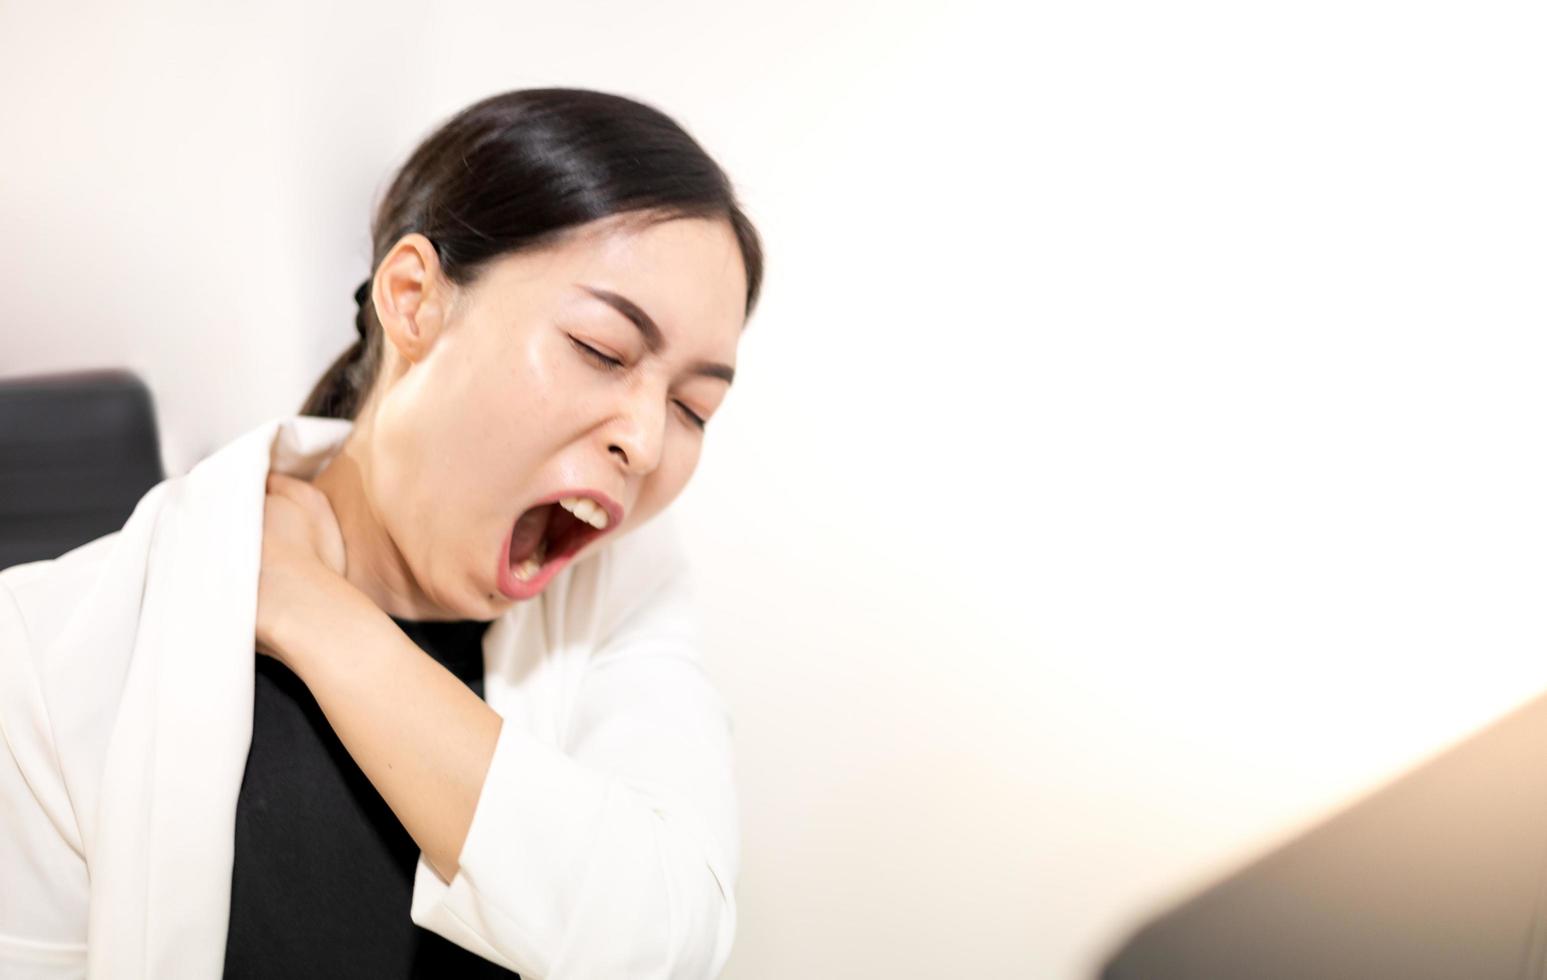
{"points": [[77, 451]]}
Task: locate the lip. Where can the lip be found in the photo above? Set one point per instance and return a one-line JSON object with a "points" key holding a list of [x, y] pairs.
{"points": [[514, 588]]}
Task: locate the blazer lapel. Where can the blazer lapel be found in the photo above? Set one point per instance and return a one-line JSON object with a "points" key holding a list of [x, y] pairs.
{"points": [[177, 631]]}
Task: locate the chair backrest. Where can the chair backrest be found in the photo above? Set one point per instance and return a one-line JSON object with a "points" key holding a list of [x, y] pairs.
{"points": [[77, 452]]}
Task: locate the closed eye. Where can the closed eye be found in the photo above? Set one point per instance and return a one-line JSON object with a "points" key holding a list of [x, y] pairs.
{"points": [[613, 364], [692, 416]]}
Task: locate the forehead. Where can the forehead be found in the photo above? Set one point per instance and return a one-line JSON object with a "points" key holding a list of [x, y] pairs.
{"points": [[686, 274]]}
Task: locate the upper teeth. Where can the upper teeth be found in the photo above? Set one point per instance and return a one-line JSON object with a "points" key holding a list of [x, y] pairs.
{"points": [[585, 509]]}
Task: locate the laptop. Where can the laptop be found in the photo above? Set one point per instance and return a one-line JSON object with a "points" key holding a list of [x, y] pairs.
{"points": [[1440, 875]]}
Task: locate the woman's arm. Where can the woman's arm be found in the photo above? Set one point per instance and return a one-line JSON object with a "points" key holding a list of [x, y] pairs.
{"points": [[612, 854], [43, 882], [422, 736]]}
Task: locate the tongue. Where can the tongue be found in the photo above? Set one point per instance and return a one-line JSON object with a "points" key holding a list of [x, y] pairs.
{"points": [[528, 533]]}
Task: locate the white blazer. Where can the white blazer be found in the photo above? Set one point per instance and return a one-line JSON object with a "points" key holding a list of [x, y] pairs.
{"points": [[605, 840]]}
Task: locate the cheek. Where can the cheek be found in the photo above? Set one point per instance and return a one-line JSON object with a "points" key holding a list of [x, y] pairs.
{"points": [[668, 482], [500, 406], [525, 389], [685, 462]]}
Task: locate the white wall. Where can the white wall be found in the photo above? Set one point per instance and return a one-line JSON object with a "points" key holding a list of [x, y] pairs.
{"points": [[1137, 453]]}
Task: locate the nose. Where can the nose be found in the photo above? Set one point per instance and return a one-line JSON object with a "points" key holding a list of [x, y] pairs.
{"points": [[638, 432]]}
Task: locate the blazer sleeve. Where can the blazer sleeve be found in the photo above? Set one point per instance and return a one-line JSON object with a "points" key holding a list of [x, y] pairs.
{"points": [[43, 885], [615, 856]]}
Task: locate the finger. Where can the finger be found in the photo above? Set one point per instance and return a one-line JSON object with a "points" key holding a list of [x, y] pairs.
{"points": [[280, 483], [288, 486]]}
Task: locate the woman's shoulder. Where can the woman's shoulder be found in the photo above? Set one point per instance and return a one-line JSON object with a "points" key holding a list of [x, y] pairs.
{"points": [[40, 595], [100, 575]]}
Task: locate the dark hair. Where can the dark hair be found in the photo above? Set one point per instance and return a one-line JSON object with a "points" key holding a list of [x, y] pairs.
{"points": [[516, 171]]}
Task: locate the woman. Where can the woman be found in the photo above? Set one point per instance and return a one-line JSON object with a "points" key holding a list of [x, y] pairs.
{"points": [[480, 740]]}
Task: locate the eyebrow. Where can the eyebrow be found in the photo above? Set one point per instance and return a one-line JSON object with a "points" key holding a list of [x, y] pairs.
{"points": [[655, 341]]}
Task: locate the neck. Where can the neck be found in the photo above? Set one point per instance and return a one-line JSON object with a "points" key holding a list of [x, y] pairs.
{"points": [[373, 563]]}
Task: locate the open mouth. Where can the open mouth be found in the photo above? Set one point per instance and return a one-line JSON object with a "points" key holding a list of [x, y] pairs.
{"points": [[552, 533], [545, 537]]}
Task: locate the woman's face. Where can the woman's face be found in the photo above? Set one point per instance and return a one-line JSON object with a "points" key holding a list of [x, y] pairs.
{"points": [[486, 404]]}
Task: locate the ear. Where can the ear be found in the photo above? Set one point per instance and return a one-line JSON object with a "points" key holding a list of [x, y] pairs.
{"points": [[411, 296]]}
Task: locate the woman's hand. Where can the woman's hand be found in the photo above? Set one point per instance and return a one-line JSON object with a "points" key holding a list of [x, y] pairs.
{"points": [[303, 549]]}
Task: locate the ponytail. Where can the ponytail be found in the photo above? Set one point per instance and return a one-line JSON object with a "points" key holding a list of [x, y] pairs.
{"points": [[338, 394]]}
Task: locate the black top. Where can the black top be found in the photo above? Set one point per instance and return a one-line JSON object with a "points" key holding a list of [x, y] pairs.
{"points": [[323, 874]]}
